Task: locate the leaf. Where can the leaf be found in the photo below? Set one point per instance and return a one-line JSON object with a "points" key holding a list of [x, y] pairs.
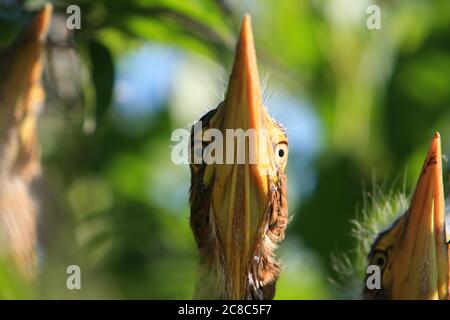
{"points": [[102, 75]]}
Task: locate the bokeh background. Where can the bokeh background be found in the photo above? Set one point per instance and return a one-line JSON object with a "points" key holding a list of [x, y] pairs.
{"points": [[360, 107]]}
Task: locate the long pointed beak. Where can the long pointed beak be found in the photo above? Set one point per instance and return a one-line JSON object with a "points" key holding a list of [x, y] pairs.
{"points": [[39, 27], [20, 97], [21, 94], [421, 267], [240, 195], [22, 63]]}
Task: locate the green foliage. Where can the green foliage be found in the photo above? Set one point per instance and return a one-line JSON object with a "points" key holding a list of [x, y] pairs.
{"points": [[12, 285], [102, 69]]}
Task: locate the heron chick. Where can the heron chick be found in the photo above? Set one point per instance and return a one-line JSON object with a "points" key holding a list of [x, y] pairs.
{"points": [[239, 209], [413, 253]]}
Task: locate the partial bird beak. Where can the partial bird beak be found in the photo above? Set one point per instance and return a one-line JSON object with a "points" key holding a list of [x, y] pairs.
{"points": [[22, 62], [21, 94], [240, 195], [420, 266]]}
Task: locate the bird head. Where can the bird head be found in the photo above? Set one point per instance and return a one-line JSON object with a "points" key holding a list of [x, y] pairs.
{"points": [[413, 253], [244, 192]]}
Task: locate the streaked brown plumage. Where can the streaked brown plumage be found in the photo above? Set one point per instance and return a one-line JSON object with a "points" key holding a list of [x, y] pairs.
{"points": [[21, 98], [239, 211]]}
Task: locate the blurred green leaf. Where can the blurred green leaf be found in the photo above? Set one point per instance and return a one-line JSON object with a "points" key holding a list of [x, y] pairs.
{"points": [[102, 73]]}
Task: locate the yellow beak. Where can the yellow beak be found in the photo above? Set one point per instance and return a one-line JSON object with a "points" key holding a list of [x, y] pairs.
{"points": [[240, 197], [23, 66], [21, 94], [420, 259]]}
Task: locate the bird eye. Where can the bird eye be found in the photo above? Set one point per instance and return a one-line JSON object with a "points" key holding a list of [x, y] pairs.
{"points": [[281, 153], [379, 259]]}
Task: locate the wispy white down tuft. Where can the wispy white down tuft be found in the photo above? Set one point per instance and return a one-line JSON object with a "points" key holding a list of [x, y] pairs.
{"points": [[380, 210]]}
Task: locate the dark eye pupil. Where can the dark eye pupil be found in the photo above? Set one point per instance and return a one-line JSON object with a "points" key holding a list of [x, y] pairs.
{"points": [[380, 261], [281, 153]]}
